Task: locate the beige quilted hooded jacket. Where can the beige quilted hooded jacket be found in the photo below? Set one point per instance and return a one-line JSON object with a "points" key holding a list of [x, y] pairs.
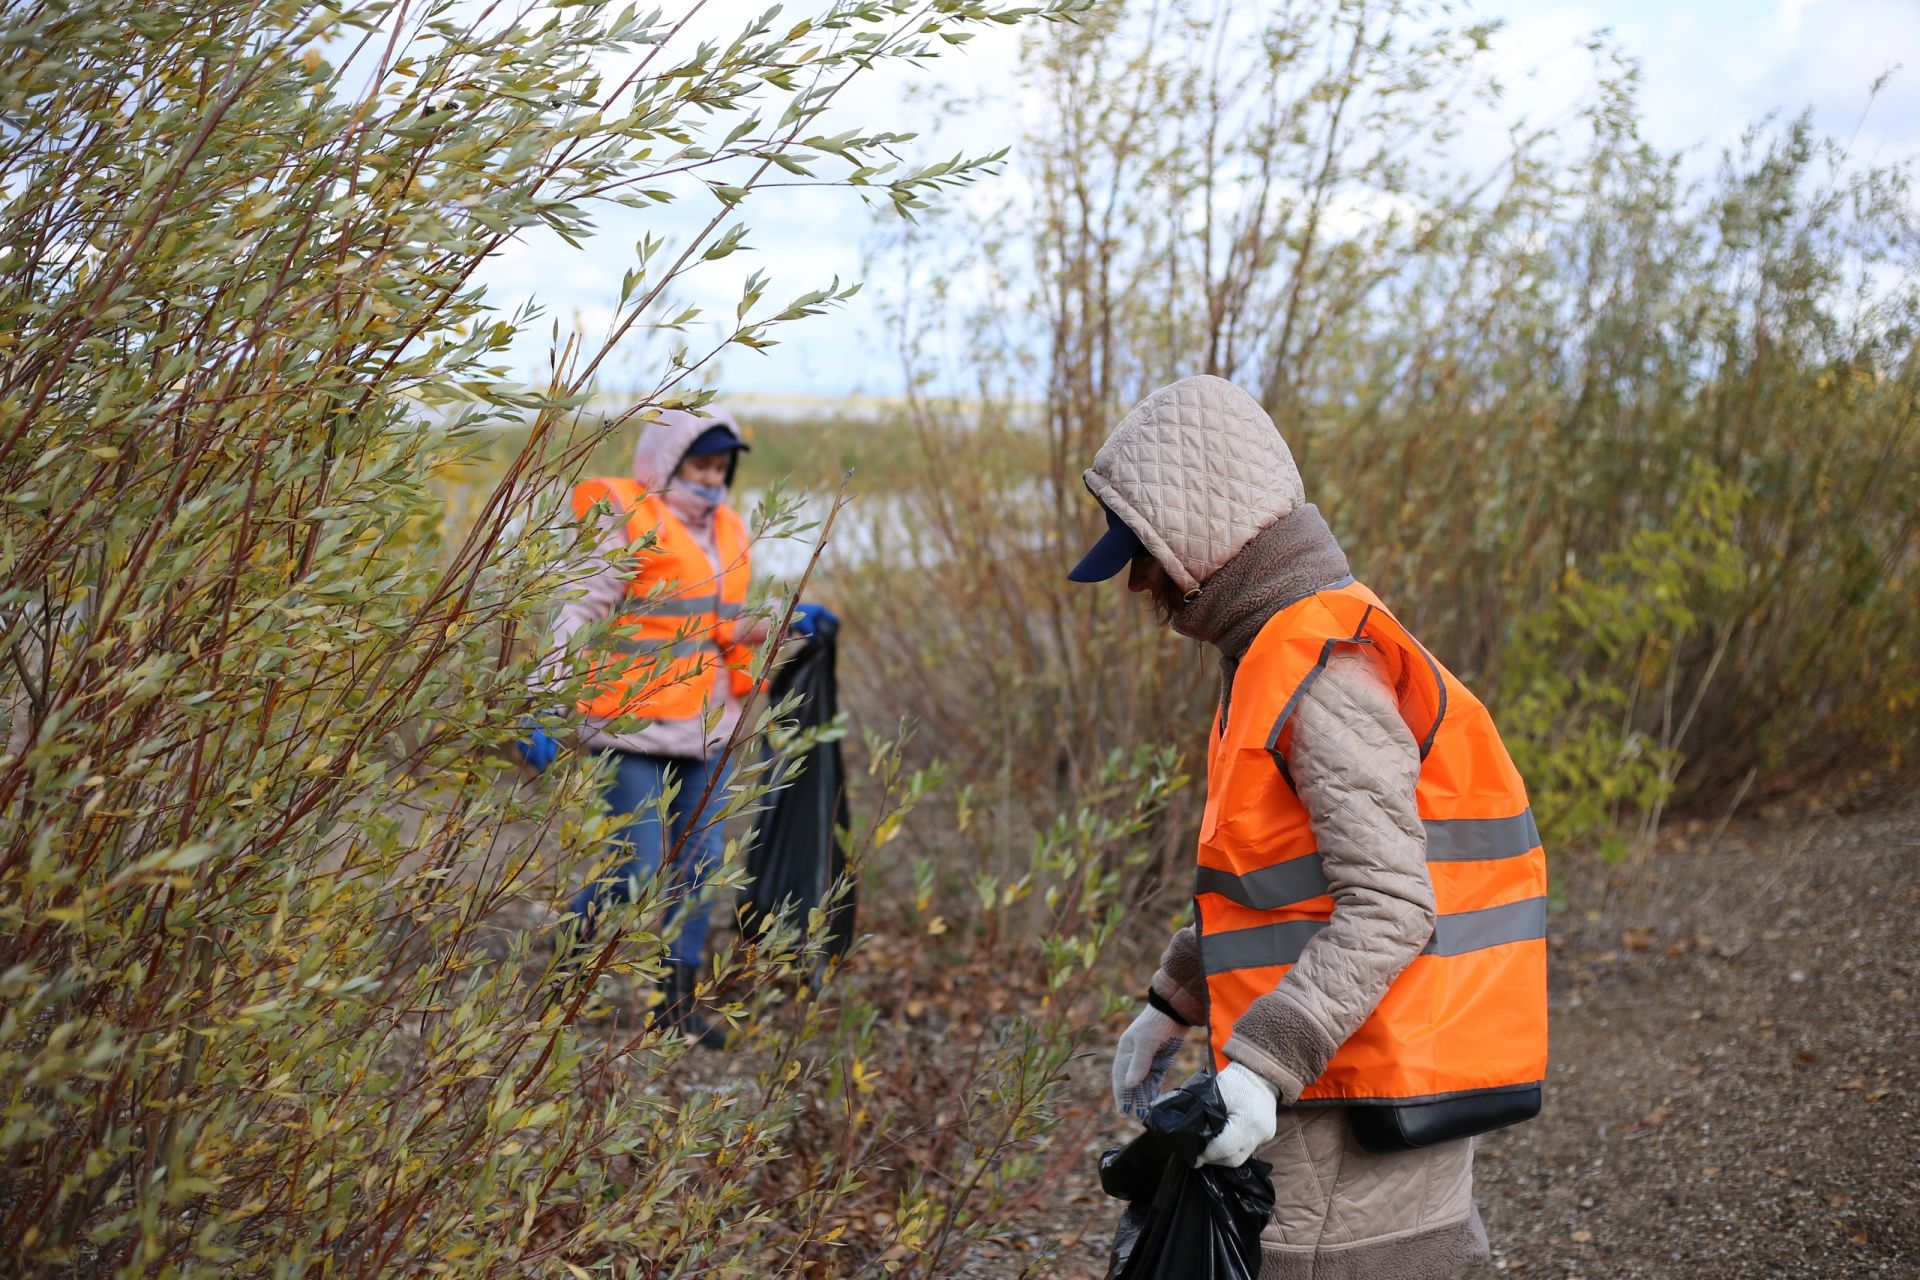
{"points": [[1200, 473]]}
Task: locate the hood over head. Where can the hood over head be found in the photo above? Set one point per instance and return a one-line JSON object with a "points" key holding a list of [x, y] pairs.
{"points": [[1196, 469], [663, 444]]}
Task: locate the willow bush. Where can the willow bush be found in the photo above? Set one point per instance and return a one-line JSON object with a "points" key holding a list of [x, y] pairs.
{"points": [[1501, 377], [267, 1007]]}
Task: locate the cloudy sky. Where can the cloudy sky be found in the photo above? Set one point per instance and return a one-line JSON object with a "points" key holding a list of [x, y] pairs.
{"points": [[1711, 67]]}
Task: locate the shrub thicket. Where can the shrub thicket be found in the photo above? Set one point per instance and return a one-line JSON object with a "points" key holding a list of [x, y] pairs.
{"points": [[266, 1010]]}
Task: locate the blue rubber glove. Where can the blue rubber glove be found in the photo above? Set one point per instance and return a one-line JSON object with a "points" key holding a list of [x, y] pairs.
{"points": [[537, 749], [808, 617]]}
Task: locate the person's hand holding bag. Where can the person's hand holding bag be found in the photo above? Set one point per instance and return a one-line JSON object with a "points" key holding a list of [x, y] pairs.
{"points": [[809, 618], [1253, 1113]]}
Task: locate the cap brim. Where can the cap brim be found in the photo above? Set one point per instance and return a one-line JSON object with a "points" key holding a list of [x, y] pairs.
{"points": [[1115, 550], [729, 446]]}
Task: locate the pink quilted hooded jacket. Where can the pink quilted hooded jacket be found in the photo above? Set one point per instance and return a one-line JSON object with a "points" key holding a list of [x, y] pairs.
{"points": [[597, 593]]}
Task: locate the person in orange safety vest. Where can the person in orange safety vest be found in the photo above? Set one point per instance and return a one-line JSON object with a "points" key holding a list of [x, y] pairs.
{"points": [[673, 572], [1368, 954]]}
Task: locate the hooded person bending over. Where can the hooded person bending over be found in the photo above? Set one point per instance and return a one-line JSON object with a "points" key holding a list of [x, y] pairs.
{"points": [[1368, 957], [673, 569]]}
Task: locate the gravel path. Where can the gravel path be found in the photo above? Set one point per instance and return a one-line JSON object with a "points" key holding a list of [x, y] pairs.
{"points": [[1735, 1061]]}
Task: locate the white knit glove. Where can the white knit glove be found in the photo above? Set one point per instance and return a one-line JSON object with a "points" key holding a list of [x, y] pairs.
{"points": [[1140, 1063], [1252, 1115]]}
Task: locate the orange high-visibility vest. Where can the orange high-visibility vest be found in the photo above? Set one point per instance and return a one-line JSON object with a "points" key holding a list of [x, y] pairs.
{"points": [[1469, 1014], [675, 636]]}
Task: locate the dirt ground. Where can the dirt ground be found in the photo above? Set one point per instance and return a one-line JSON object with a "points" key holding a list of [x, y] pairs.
{"points": [[1734, 1065]]}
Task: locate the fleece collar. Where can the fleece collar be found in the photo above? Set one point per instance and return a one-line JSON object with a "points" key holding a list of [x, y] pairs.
{"points": [[1291, 558]]}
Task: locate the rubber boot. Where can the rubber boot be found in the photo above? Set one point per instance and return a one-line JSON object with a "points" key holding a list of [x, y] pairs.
{"points": [[678, 1012]]}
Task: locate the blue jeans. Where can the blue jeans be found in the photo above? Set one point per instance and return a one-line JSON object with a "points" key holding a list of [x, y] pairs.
{"points": [[635, 790]]}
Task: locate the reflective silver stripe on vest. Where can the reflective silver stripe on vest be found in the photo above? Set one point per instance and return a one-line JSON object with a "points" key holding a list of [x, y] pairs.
{"points": [[1454, 934], [664, 648], [1289, 883], [1258, 947], [1481, 839], [731, 610], [670, 606], [1463, 931], [1269, 888]]}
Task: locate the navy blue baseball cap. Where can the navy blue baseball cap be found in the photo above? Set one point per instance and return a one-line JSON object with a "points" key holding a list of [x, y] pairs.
{"points": [[1116, 548], [721, 437]]}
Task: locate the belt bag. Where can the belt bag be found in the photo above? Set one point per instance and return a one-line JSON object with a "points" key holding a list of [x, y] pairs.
{"points": [[1383, 1126]]}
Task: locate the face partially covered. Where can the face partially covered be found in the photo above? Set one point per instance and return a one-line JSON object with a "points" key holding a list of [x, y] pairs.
{"points": [[706, 469], [1146, 576], [1197, 469]]}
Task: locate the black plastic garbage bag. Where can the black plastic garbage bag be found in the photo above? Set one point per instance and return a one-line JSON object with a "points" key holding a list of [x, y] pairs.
{"points": [[794, 854], [1183, 1223]]}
